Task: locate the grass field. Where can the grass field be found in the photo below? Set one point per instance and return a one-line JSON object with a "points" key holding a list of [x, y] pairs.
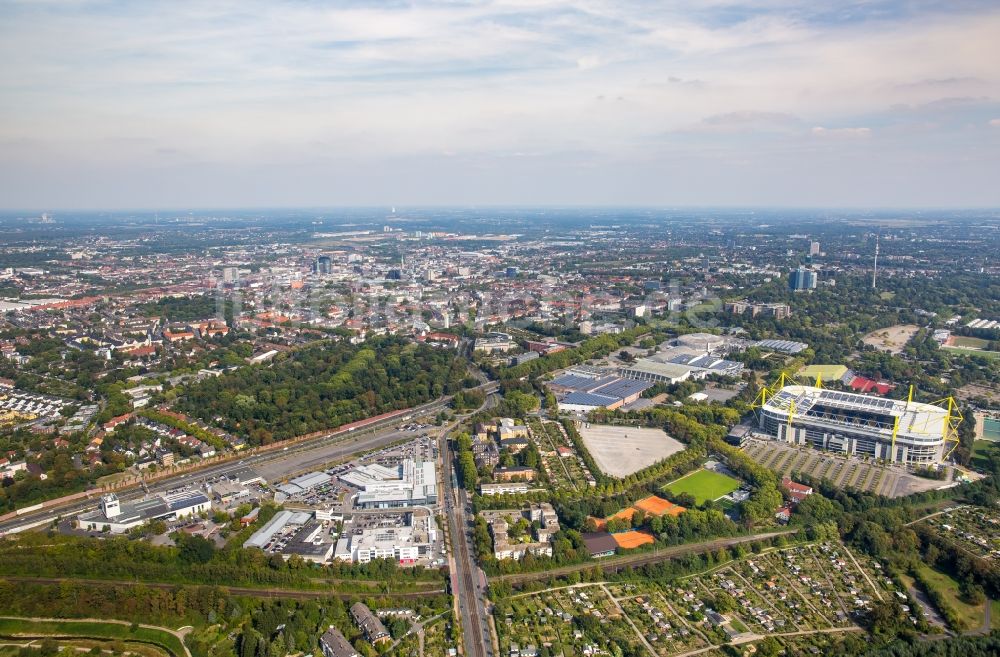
{"points": [[973, 352], [972, 614], [979, 450], [91, 629], [968, 342], [703, 485]]}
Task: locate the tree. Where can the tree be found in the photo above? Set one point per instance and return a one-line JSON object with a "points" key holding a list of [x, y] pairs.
{"points": [[196, 549]]}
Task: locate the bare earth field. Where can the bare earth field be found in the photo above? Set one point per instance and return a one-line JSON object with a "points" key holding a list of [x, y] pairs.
{"points": [[891, 339], [971, 390], [620, 451]]}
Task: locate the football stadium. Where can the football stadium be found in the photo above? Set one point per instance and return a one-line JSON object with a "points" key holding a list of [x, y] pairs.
{"points": [[895, 430]]}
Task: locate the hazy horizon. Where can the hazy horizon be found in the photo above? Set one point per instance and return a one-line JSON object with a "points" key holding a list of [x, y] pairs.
{"points": [[778, 103]]}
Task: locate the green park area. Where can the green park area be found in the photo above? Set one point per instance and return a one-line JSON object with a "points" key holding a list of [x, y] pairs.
{"points": [[972, 352], [944, 585], [703, 485], [70, 629]]}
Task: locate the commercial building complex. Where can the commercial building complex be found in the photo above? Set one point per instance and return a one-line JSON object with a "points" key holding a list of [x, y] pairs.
{"points": [[578, 391], [404, 537], [895, 430], [411, 483], [118, 518]]}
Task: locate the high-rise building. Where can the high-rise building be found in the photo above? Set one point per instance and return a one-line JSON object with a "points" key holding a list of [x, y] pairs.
{"points": [[802, 279], [323, 265], [230, 274], [814, 248]]}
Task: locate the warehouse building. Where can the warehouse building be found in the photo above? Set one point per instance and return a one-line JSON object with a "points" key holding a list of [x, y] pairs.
{"points": [[895, 430], [118, 517], [646, 369], [582, 393]]}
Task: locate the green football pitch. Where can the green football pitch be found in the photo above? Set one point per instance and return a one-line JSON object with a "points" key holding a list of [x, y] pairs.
{"points": [[704, 485]]}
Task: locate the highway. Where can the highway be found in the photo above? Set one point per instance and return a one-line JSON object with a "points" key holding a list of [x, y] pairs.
{"points": [[300, 456], [468, 584]]}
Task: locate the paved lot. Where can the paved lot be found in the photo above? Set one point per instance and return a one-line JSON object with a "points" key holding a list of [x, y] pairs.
{"points": [[620, 451], [843, 471]]}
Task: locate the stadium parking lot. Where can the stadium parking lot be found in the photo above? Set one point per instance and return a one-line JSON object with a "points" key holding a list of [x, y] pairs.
{"points": [[842, 470]]}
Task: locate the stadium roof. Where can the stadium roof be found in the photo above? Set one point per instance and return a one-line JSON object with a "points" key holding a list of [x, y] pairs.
{"points": [[861, 411]]}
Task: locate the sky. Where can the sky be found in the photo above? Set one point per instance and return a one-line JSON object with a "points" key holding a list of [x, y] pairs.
{"points": [[170, 104]]}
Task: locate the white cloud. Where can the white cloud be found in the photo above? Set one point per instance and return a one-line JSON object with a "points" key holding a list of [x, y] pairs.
{"points": [[287, 85], [820, 131]]}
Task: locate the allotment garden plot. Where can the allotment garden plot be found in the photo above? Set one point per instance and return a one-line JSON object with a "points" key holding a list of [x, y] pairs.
{"points": [[560, 460], [975, 529], [793, 591]]}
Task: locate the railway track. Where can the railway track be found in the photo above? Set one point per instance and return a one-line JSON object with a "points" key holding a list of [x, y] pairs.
{"points": [[273, 592]]}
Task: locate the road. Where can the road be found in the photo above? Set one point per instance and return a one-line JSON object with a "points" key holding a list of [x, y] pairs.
{"points": [[467, 582], [297, 457]]}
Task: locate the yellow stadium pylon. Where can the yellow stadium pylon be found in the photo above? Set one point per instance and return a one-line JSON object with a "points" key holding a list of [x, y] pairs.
{"points": [[953, 419], [895, 430]]}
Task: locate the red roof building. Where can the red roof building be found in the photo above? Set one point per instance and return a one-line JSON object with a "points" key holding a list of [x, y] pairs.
{"points": [[796, 491]]}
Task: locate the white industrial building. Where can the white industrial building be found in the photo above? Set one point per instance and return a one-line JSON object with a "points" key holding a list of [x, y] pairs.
{"points": [[404, 541], [294, 532], [895, 430], [118, 517], [411, 483]]}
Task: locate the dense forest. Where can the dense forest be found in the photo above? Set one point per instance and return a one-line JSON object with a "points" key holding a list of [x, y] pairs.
{"points": [[324, 386]]}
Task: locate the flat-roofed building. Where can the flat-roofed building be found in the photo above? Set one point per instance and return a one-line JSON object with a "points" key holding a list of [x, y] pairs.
{"points": [[411, 483], [405, 538], [645, 369], [503, 488], [119, 517]]}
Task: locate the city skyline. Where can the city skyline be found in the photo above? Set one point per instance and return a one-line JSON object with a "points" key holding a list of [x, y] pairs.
{"points": [[778, 104]]}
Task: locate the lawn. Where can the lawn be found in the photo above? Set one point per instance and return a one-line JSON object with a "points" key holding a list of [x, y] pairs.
{"points": [[979, 453], [972, 614], [972, 352], [969, 342], [92, 630], [703, 485]]}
